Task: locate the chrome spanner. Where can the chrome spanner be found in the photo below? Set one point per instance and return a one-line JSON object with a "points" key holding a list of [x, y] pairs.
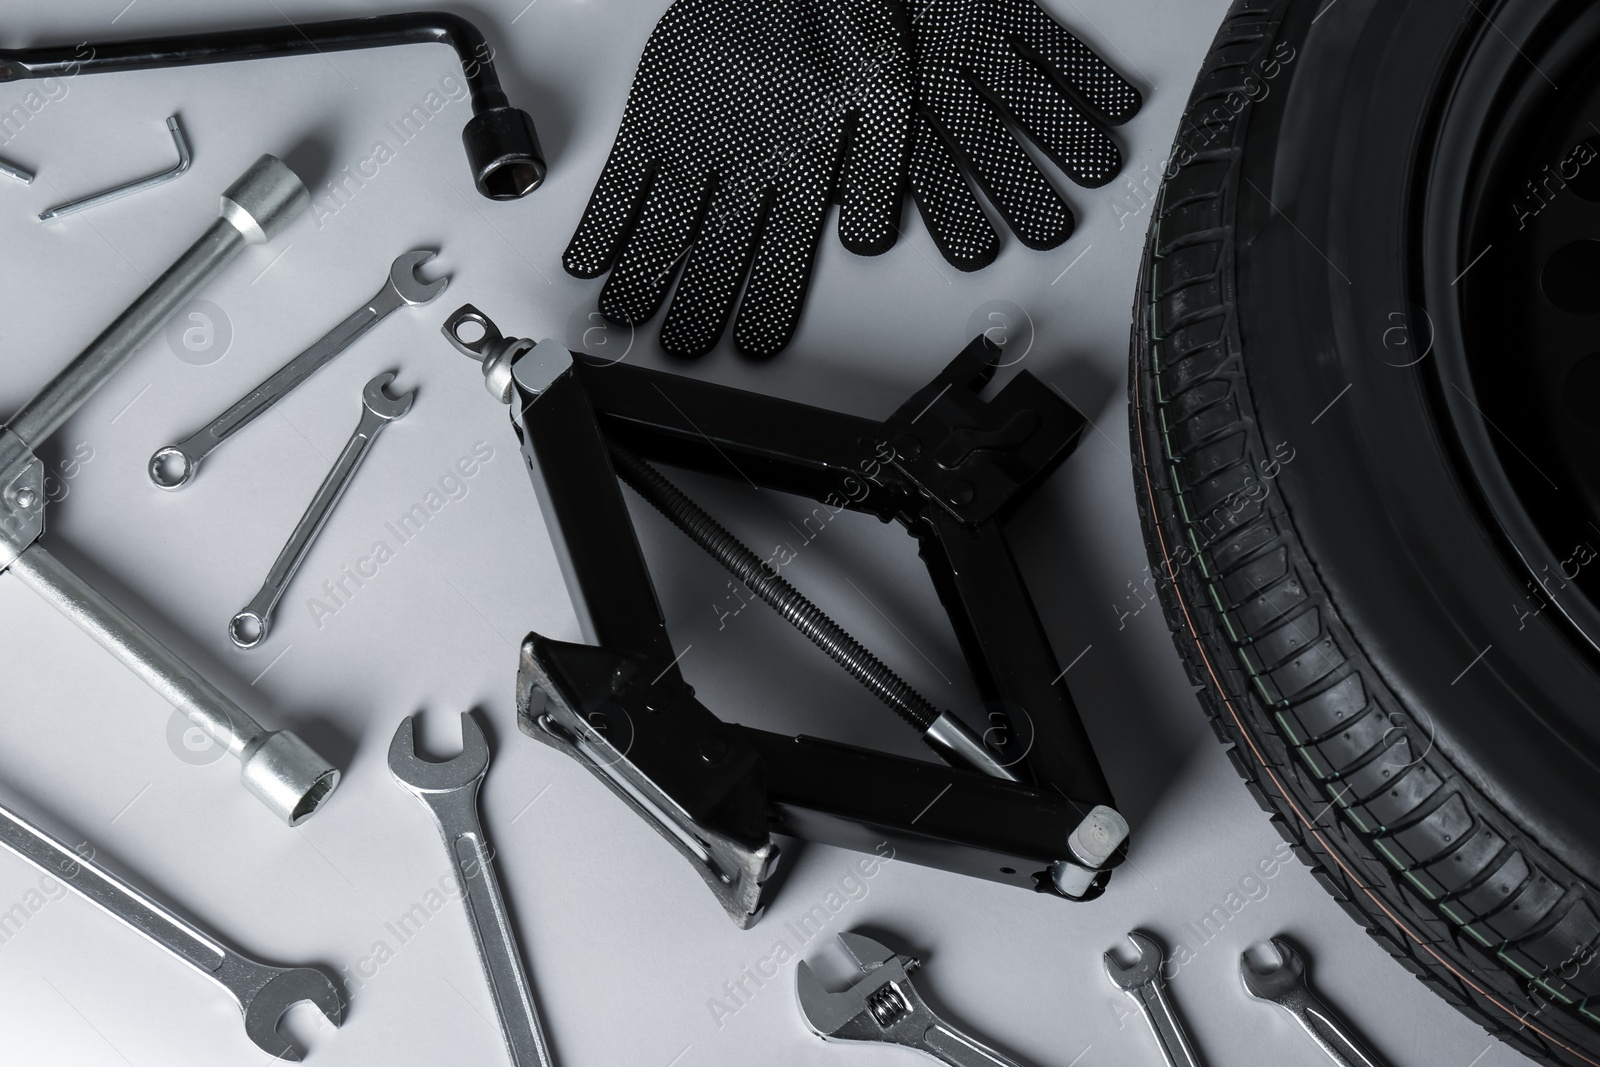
{"points": [[264, 993], [882, 1006], [1145, 983], [249, 628], [174, 466], [449, 790], [1285, 985]]}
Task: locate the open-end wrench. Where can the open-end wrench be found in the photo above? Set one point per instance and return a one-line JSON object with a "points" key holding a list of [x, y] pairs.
{"points": [[1145, 983], [883, 1006], [249, 628], [264, 993], [174, 466], [449, 790], [1285, 985]]}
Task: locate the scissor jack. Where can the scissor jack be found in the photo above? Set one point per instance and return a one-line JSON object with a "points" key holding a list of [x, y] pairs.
{"points": [[948, 466]]}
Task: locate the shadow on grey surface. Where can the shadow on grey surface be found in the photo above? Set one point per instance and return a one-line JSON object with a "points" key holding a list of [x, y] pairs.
{"points": [[312, 158], [1141, 738]]}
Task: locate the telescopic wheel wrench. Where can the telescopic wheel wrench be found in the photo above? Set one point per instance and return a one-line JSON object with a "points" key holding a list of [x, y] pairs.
{"points": [[279, 768], [502, 145]]}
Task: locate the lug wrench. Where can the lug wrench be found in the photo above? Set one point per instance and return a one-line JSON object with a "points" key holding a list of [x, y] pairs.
{"points": [[502, 146], [378, 409], [279, 768], [174, 466], [449, 790], [263, 992]]}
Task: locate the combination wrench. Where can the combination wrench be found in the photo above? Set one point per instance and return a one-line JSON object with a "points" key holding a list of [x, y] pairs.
{"points": [[1285, 985], [264, 993], [250, 626], [449, 790], [174, 466], [1145, 983]]}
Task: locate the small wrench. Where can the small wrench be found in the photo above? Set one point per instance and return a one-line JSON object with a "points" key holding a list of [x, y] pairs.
{"points": [[883, 1006], [1145, 983], [1285, 985], [249, 628], [450, 792], [264, 993], [174, 466]]}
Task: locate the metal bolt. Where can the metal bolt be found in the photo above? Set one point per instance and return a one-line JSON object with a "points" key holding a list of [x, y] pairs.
{"points": [[26, 497]]}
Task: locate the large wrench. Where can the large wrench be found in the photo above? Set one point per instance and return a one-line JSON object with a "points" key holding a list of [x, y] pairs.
{"points": [[1285, 985], [263, 993], [450, 792], [174, 466], [1145, 983], [249, 628]]}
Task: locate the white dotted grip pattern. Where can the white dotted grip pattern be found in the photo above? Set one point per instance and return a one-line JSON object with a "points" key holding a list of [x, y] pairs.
{"points": [[747, 118], [745, 121], [989, 68]]}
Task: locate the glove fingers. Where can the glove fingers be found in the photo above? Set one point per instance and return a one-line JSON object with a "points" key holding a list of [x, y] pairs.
{"points": [[1031, 207], [949, 208], [780, 275], [613, 207], [872, 183], [877, 152], [659, 242], [706, 294], [1070, 61], [1079, 147]]}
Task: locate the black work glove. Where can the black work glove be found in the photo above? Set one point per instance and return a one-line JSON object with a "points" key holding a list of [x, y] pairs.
{"points": [[745, 120], [980, 65]]}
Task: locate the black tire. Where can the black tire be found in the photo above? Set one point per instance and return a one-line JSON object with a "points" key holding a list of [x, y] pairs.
{"points": [[1340, 582]]}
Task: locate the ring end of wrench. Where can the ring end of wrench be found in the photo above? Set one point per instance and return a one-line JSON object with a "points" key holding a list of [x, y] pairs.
{"points": [[171, 468], [249, 628]]}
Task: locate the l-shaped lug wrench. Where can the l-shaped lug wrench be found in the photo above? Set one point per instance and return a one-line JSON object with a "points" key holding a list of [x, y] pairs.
{"points": [[502, 145], [281, 770]]}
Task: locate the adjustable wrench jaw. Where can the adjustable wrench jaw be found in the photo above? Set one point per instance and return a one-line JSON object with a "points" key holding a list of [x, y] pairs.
{"points": [[881, 1005]]}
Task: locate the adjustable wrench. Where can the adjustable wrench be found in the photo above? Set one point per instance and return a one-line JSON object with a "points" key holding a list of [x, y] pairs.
{"points": [[1285, 985], [882, 1006], [249, 628], [1145, 983], [450, 792], [264, 993], [174, 466]]}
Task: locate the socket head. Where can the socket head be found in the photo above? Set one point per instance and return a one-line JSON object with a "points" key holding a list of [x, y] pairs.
{"points": [[287, 776], [264, 200], [503, 150]]}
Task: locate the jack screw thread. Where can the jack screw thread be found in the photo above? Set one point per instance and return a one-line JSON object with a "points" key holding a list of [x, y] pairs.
{"points": [[760, 578]]}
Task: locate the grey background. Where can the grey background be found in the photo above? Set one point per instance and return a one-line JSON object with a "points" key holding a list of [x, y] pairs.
{"points": [[626, 946]]}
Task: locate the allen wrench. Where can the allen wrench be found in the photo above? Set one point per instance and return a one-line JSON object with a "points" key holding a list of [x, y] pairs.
{"points": [[11, 170], [72, 207]]}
